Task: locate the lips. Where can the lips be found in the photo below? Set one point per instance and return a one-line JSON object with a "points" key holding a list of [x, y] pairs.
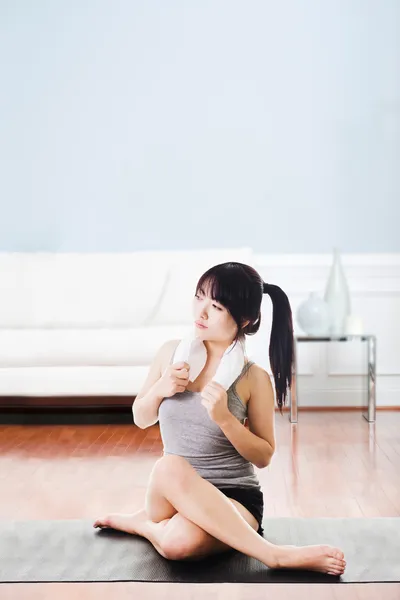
{"points": [[200, 325]]}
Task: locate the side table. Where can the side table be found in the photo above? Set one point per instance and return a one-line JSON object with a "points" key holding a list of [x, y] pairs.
{"points": [[369, 409]]}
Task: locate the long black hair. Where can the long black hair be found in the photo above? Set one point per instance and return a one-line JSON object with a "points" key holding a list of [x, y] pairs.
{"points": [[239, 288]]}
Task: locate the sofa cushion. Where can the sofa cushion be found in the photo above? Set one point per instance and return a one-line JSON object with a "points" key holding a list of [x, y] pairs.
{"points": [[100, 347], [59, 382]]}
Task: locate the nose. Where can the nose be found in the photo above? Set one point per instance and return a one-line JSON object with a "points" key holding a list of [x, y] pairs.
{"points": [[204, 313]]}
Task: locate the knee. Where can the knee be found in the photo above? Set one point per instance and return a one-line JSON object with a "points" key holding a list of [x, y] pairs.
{"points": [[174, 470], [180, 547]]}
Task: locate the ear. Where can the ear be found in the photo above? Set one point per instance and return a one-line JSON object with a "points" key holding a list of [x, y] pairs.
{"points": [[245, 323]]}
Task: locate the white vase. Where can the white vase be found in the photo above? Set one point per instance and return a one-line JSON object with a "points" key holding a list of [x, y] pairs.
{"points": [[337, 296], [313, 316]]}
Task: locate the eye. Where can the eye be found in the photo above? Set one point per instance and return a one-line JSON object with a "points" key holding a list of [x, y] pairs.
{"points": [[217, 307]]}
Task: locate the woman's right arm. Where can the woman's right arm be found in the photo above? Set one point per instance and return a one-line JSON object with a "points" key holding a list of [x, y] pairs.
{"points": [[158, 385]]}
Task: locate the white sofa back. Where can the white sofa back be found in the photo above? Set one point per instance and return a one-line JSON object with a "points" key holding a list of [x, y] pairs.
{"points": [[62, 291]]}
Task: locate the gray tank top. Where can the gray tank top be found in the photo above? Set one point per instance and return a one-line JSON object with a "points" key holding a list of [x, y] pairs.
{"points": [[188, 431]]}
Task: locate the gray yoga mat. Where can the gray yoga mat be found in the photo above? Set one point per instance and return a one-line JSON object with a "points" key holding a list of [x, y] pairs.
{"points": [[72, 551]]}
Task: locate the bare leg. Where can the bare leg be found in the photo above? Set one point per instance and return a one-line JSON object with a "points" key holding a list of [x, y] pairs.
{"points": [[137, 523], [175, 538], [203, 504]]}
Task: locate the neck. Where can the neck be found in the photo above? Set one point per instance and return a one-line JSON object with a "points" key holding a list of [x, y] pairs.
{"points": [[215, 350]]}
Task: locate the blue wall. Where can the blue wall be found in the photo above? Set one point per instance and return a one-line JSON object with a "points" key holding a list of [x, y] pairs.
{"points": [[130, 124]]}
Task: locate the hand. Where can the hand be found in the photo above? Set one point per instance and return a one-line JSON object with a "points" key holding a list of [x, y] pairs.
{"points": [[215, 399], [174, 380]]}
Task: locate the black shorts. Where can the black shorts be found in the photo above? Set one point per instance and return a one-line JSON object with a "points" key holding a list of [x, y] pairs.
{"points": [[250, 498]]}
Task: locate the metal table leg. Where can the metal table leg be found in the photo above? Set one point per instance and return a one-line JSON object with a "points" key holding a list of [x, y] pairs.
{"points": [[370, 416], [293, 389]]}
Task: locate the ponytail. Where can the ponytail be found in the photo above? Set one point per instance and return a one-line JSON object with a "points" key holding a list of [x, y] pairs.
{"points": [[281, 342]]}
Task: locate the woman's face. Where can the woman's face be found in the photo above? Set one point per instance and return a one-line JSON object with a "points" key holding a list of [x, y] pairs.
{"points": [[219, 324]]}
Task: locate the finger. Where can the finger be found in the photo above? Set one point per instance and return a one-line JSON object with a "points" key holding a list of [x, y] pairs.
{"points": [[182, 374], [181, 365], [217, 386], [208, 397], [210, 393]]}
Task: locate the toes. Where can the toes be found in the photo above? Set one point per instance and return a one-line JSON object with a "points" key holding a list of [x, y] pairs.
{"points": [[337, 570], [101, 523], [338, 564], [333, 552], [335, 567]]}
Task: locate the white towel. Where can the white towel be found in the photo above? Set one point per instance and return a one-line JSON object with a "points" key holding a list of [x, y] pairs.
{"points": [[193, 351]]}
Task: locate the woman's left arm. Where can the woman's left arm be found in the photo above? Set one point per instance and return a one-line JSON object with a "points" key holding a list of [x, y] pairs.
{"points": [[256, 444]]}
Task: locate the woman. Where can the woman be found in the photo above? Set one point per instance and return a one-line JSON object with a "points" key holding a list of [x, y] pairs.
{"points": [[203, 495]]}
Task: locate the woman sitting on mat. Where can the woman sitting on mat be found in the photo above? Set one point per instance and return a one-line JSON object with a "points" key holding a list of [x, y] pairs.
{"points": [[203, 495]]}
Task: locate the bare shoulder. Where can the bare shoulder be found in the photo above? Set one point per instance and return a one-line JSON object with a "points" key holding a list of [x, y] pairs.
{"points": [[254, 379], [258, 375], [259, 382]]}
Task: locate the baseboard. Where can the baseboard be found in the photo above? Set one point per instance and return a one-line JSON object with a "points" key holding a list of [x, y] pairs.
{"points": [[66, 416], [66, 402]]}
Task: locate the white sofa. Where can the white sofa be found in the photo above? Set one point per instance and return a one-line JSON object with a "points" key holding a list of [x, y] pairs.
{"points": [[90, 324]]}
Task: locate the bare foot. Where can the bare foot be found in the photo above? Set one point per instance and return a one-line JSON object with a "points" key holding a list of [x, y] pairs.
{"points": [[325, 559], [130, 523]]}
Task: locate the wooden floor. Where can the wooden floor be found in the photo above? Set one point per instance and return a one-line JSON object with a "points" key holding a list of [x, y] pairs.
{"points": [[329, 464]]}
